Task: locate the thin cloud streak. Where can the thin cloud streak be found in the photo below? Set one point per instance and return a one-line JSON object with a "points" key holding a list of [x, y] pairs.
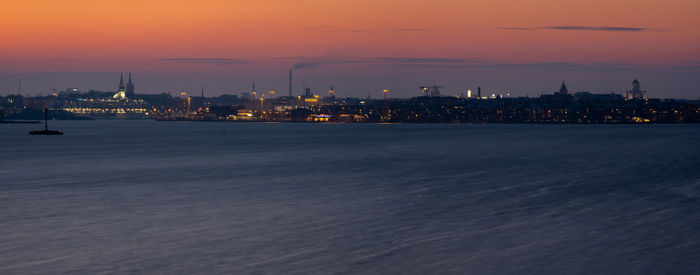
{"points": [[546, 66], [206, 60], [517, 29], [413, 30], [685, 67], [308, 64], [304, 63], [421, 60], [585, 28], [352, 31], [602, 28], [382, 60]]}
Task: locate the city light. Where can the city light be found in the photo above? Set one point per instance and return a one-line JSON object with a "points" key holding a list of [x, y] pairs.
{"points": [[559, 107]]}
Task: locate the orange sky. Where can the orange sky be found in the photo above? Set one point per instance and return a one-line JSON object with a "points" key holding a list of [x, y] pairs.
{"points": [[82, 35]]}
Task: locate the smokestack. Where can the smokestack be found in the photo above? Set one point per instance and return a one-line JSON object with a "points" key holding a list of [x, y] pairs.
{"points": [[290, 82]]}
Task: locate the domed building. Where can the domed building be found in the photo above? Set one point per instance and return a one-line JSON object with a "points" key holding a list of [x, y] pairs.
{"points": [[563, 90], [636, 92]]}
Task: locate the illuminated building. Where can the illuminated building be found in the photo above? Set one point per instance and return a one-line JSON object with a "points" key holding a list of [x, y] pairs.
{"points": [[636, 92], [319, 118], [120, 94], [244, 114]]}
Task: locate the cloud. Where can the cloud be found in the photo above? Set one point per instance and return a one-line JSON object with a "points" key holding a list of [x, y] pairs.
{"points": [[458, 63], [308, 64], [422, 60], [585, 28], [603, 28], [517, 29], [353, 31], [327, 29], [383, 60], [463, 63], [567, 66], [224, 61], [553, 66], [685, 67], [413, 30]]}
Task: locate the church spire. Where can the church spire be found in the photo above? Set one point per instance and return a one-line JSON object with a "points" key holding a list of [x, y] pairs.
{"points": [[130, 88], [121, 81], [563, 90]]}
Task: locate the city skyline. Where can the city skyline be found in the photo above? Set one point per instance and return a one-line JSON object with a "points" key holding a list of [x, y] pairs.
{"points": [[295, 90], [350, 136], [358, 47]]}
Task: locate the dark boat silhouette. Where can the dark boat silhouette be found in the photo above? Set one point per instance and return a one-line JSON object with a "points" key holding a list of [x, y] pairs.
{"points": [[46, 130]]}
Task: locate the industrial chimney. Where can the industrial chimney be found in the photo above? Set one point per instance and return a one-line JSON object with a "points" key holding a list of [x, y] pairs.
{"points": [[290, 82]]}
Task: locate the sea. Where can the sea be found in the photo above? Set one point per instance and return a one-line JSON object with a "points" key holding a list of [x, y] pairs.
{"points": [[150, 197]]}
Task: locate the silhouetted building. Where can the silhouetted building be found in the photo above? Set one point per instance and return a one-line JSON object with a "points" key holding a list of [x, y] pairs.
{"points": [[636, 92], [431, 90], [563, 90], [331, 93], [130, 88]]}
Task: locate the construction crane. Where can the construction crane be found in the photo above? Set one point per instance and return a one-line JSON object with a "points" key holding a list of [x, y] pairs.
{"points": [[431, 90]]}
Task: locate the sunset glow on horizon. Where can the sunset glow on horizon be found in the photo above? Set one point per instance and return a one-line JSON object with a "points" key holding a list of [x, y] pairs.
{"points": [[360, 45]]}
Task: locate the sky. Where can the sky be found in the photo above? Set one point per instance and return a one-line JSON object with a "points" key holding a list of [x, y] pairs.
{"points": [[522, 47]]}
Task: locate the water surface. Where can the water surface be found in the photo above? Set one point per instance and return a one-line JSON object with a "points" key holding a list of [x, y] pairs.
{"points": [[196, 197]]}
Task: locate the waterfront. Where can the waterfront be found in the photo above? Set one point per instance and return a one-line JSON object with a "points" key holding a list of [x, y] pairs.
{"points": [[182, 197]]}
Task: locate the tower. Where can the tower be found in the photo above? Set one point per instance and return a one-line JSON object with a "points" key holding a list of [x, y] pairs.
{"points": [[635, 86], [563, 90], [386, 105], [130, 88], [636, 92], [121, 81], [478, 92], [290, 82], [121, 94]]}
